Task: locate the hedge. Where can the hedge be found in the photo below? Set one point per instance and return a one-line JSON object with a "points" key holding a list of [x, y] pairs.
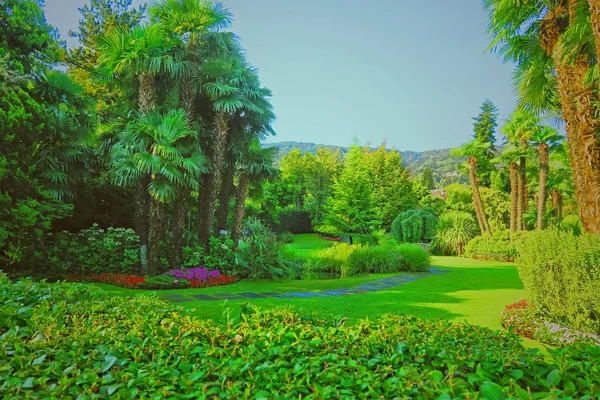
{"points": [[294, 221], [73, 341]]}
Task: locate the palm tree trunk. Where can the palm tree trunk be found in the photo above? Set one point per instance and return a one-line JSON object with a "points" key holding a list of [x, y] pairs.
{"points": [[514, 197], [595, 20], [479, 211], [240, 201], [557, 203], [147, 93], [522, 209], [544, 167], [178, 226], [158, 229], [225, 195], [142, 200], [214, 181]]}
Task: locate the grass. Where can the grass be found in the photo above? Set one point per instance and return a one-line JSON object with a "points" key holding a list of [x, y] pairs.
{"points": [[473, 291], [307, 242]]}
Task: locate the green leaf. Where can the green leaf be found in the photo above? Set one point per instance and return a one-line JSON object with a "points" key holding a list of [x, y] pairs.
{"points": [[38, 360], [28, 383], [109, 361], [553, 377], [492, 391], [112, 389], [437, 376]]}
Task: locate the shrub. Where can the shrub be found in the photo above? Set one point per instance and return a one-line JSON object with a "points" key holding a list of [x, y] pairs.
{"points": [[329, 262], [497, 247], [286, 237], [260, 253], [221, 255], [293, 220], [561, 273], [376, 259], [416, 258], [415, 226], [526, 320], [90, 251], [164, 282], [455, 229], [72, 341]]}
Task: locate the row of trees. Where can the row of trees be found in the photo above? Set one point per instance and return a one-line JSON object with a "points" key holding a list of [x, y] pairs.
{"points": [[167, 112]]}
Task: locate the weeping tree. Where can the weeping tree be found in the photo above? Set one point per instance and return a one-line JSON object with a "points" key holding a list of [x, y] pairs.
{"points": [[415, 226]]}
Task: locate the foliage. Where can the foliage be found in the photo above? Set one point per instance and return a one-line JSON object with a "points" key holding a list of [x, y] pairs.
{"points": [[126, 281], [415, 226], [561, 273], [328, 262], [526, 320], [92, 250], [416, 258], [455, 229], [164, 282], [222, 253], [286, 237], [484, 130], [482, 363], [497, 247], [260, 253], [293, 220], [496, 205]]}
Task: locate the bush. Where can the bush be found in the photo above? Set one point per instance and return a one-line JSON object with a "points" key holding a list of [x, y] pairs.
{"points": [[526, 320], [497, 247], [342, 260], [415, 226], [286, 237], [455, 229], [164, 282], [221, 255], [90, 251], [561, 273], [72, 341], [259, 253], [293, 220]]}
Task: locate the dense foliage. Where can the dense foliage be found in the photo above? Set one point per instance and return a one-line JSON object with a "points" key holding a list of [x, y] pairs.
{"points": [[415, 226], [52, 347], [343, 260], [498, 247], [560, 272], [454, 231]]}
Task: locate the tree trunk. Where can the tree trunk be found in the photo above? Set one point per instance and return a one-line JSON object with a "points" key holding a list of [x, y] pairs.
{"points": [[158, 229], [557, 203], [178, 226], [479, 211], [214, 181], [142, 200], [570, 84], [595, 20], [240, 201], [514, 197], [225, 195], [147, 94], [544, 167], [522, 205]]}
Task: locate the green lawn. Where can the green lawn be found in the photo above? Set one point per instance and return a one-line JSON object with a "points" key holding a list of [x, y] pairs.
{"points": [[473, 291], [306, 242]]}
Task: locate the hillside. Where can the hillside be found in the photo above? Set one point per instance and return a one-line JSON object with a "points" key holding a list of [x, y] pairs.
{"points": [[443, 165]]}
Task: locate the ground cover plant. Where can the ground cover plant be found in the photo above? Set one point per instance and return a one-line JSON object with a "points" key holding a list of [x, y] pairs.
{"points": [[148, 346]]}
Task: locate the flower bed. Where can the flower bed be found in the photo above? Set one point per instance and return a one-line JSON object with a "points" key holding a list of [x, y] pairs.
{"points": [[175, 279], [526, 320]]}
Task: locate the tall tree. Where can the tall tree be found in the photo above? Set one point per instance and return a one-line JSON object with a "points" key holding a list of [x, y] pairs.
{"points": [[484, 130], [475, 151], [427, 178]]}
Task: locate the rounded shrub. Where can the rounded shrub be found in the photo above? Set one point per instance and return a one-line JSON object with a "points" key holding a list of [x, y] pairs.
{"points": [[455, 229]]}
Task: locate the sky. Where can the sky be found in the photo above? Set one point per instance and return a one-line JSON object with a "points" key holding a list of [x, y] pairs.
{"points": [[412, 73]]}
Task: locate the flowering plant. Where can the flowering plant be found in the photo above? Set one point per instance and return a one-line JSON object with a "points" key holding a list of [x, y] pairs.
{"points": [[197, 273]]}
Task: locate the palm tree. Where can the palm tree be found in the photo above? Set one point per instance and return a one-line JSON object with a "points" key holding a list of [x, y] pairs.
{"points": [[256, 164], [560, 31], [475, 151], [544, 138], [510, 156], [142, 53], [163, 147]]}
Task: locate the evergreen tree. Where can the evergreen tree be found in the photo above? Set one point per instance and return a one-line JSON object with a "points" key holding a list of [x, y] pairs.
{"points": [[427, 178], [484, 129]]}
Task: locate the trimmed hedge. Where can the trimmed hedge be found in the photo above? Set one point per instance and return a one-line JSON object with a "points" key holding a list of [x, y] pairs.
{"points": [[73, 341], [497, 247], [294, 221], [561, 273]]}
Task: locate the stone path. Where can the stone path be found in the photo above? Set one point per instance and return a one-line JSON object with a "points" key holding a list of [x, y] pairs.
{"points": [[374, 286]]}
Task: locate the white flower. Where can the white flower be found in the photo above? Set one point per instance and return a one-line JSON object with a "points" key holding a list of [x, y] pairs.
{"points": [[223, 232], [238, 338]]}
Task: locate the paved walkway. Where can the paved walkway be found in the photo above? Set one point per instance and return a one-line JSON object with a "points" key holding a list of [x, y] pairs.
{"points": [[374, 286]]}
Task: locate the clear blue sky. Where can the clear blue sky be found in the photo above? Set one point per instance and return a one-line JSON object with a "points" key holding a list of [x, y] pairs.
{"points": [[413, 73]]}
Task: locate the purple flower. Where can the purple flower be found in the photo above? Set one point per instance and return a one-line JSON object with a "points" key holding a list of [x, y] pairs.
{"points": [[175, 281]]}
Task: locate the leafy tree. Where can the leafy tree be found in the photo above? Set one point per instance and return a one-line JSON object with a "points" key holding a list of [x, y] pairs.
{"points": [[484, 130], [350, 209], [415, 226], [427, 179]]}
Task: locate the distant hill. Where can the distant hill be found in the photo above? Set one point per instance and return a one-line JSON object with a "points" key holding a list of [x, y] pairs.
{"points": [[443, 165]]}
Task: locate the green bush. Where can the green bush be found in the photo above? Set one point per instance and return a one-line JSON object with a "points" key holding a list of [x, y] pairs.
{"points": [[561, 273], [455, 229], [415, 226], [90, 251], [164, 282], [74, 341], [293, 220], [497, 247], [221, 255], [286, 237], [329, 262], [342, 260]]}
